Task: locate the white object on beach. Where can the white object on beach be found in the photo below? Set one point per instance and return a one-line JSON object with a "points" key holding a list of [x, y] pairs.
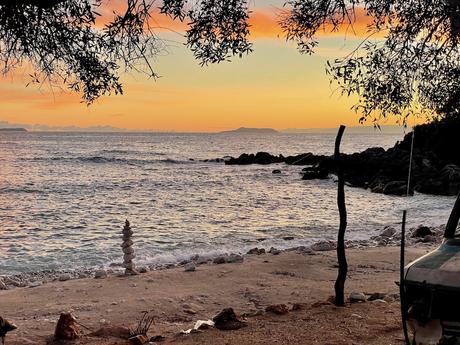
{"points": [[200, 324]]}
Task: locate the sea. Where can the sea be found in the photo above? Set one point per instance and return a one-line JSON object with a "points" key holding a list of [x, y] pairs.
{"points": [[64, 197]]}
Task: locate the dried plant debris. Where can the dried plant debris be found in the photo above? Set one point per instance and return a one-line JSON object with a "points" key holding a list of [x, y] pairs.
{"points": [[139, 334]]}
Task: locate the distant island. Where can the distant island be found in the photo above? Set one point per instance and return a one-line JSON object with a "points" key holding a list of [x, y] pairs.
{"points": [[245, 130], [13, 130]]}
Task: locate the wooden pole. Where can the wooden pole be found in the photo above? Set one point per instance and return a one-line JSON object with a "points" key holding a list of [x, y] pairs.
{"points": [[341, 256], [454, 217]]}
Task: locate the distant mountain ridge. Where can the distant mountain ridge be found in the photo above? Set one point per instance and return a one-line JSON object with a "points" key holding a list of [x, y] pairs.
{"points": [[13, 130], [246, 130]]}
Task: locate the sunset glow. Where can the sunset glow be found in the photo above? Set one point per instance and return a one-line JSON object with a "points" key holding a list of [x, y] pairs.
{"points": [[275, 86]]}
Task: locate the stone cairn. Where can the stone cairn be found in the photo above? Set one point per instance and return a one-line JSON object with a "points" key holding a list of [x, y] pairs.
{"points": [[128, 251]]}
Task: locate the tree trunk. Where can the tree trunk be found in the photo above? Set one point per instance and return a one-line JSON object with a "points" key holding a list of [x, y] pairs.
{"points": [[454, 217], [341, 257]]}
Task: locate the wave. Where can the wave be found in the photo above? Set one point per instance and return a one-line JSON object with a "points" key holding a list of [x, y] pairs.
{"points": [[20, 190], [111, 160], [119, 151]]}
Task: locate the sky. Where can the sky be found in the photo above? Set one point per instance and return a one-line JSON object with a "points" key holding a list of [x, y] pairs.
{"points": [[275, 86]]}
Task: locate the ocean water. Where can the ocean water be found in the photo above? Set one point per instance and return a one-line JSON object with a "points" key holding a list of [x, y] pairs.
{"points": [[64, 197]]}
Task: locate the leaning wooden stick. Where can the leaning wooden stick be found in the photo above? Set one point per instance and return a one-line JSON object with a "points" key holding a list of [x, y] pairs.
{"points": [[454, 218], [402, 288], [341, 256]]}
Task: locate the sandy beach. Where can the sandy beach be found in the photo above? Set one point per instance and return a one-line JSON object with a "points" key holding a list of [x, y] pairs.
{"points": [[177, 299]]}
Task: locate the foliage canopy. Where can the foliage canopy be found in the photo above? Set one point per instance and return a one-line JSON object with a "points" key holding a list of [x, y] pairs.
{"points": [[414, 67]]}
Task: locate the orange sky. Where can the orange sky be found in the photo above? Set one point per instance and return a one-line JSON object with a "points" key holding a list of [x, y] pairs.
{"points": [[274, 87]]}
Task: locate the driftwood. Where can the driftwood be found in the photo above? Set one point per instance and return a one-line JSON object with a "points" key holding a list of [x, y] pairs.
{"points": [[341, 256]]}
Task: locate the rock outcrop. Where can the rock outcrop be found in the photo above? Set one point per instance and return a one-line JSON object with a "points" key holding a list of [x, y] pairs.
{"points": [[435, 163], [265, 158]]}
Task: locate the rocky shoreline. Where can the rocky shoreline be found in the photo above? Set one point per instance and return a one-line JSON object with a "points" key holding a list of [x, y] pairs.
{"points": [[388, 236], [277, 297], [435, 163]]}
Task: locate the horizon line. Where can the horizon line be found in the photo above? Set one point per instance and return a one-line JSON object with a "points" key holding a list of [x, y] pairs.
{"points": [[111, 129]]}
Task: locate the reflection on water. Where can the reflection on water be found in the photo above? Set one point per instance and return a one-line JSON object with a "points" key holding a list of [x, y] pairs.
{"points": [[64, 197]]}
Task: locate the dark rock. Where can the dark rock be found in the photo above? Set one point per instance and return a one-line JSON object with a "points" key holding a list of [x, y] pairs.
{"points": [[376, 296], [220, 260], [267, 158], [143, 269], [304, 159], [430, 239], [324, 246], [314, 173], [431, 186], [274, 251], [288, 238], [235, 258], [377, 185], [276, 171], [421, 232], [395, 188], [190, 267], [388, 232], [227, 320], [278, 309], [258, 158], [100, 274], [256, 251], [64, 277]]}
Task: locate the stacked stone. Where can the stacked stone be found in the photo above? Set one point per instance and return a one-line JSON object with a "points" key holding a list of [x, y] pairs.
{"points": [[128, 251]]}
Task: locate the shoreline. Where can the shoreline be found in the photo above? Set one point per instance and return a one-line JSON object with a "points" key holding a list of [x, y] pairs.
{"points": [[388, 236], [177, 299]]}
